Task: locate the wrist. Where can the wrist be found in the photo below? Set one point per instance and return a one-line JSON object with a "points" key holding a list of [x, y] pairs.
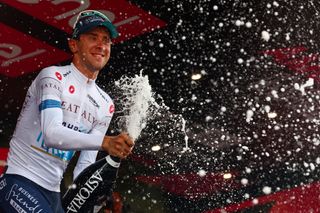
{"points": [[105, 143]]}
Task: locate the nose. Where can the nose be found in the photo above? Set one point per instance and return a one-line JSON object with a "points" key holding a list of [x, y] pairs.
{"points": [[100, 42], [100, 45]]}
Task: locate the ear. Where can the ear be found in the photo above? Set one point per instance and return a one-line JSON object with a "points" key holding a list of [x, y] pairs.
{"points": [[73, 45]]}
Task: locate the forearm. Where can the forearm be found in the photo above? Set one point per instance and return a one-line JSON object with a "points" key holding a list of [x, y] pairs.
{"points": [[58, 136], [62, 138]]}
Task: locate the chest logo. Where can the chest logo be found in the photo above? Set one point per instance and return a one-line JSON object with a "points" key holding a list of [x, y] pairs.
{"points": [[93, 101], [71, 89]]}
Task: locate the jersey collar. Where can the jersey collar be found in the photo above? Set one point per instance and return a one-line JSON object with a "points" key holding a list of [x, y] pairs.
{"points": [[81, 77]]}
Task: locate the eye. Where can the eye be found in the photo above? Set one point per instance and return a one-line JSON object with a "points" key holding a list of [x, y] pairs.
{"points": [[107, 40], [92, 37]]}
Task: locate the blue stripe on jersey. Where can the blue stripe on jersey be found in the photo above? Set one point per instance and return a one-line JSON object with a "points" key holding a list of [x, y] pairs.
{"points": [[49, 104]]}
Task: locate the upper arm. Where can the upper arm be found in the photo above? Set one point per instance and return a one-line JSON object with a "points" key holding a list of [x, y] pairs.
{"points": [[49, 85]]}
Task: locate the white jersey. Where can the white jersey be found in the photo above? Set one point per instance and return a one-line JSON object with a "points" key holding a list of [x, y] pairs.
{"points": [[64, 111]]}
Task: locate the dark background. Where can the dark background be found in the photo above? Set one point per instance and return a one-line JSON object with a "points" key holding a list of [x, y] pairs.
{"points": [[204, 36]]}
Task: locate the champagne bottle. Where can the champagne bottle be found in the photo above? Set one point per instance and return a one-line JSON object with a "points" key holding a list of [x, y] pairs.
{"points": [[93, 182]]}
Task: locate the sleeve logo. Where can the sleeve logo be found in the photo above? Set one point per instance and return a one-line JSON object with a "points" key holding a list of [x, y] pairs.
{"points": [[59, 76]]}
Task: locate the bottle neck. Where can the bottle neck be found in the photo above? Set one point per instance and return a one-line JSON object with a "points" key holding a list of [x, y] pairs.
{"points": [[113, 161]]}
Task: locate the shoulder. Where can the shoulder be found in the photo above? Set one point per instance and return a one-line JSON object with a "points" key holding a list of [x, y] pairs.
{"points": [[103, 95], [51, 79], [105, 99], [54, 72]]}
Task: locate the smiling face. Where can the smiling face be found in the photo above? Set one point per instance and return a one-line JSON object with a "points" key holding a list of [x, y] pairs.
{"points": [[91, 51]]}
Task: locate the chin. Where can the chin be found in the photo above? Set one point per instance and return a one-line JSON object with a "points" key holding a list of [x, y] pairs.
{"points": [[98, 66]]}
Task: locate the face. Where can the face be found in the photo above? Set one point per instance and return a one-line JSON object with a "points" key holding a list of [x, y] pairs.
{"points": [[91, 51]]}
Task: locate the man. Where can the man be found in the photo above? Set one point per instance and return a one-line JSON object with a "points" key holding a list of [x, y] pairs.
{"points": [[64, 111]]}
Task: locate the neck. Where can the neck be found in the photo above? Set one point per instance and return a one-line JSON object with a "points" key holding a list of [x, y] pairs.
{"points": [[89, 73]]}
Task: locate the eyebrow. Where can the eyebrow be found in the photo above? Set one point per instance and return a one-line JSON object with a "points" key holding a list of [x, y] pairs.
{"points": [[96, 34]]}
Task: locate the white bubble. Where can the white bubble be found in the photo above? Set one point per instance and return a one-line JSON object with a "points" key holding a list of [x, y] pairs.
{"points": [[239, 23], [244, 181], [248, 24], [267, 108], [73, 186], [255, 201], [202, 173], [155, 148], [212, 59], [208, 118], [249, 115], [274, 93], [245, 148], [272, 115], [312, 166], [227, 176], [266, 190], [287, 36], [265, 35]]}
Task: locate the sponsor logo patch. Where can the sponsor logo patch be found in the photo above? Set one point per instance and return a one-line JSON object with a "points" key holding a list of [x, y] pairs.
{"points": [[3, 184], [22, 201], [71, 89], [93, 101], [59, 76], [111, 108]]}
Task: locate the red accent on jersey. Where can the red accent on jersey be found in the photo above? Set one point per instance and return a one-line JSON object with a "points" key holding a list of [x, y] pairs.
{"points": [[71, 89], [111, 108], [59, 76]]}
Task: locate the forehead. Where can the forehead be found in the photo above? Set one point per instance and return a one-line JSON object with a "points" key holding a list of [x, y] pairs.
{"points": [[99, 30]]}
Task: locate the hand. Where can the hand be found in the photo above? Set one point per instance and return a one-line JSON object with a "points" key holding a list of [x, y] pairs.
{"points": [[119, 146]]}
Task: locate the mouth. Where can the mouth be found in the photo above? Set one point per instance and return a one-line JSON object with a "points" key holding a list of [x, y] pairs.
{"points": [[98, 55]]}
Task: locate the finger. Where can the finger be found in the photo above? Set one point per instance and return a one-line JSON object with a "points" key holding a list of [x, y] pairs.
{"points": [[129, 143], [127, 139], [118, 147], [126, 150], [122, 155]]}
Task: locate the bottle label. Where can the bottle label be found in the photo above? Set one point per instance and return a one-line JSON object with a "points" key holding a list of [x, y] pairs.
{"points": [[85, 192], [112, 162]]}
